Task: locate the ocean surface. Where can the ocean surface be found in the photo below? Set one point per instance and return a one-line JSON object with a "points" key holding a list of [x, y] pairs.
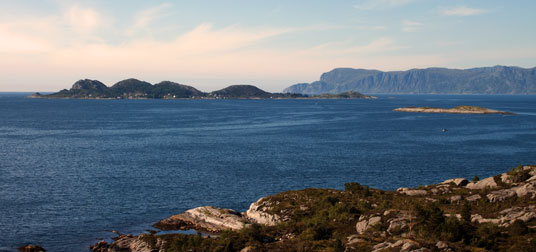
{"points": [[73, 170]]}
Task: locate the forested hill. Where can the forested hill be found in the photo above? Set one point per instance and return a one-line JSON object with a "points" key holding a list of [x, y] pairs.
{"points": [[484, 80]]}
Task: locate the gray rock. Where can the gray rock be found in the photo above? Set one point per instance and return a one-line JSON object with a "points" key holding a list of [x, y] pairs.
{"points": [[473, 197], [485, 183], [456, 181], [509, 216], [205, 218], [259, 212], [441, 245], [365, 223], [412, 192], [409, 246], [455, 198], [500, 195]]}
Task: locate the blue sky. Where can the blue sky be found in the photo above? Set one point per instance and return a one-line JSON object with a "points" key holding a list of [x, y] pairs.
{"points": [[47, 45]]}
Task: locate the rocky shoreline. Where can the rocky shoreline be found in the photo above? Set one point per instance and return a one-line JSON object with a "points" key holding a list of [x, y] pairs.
{"points": [[362, 219], [456, 110]]}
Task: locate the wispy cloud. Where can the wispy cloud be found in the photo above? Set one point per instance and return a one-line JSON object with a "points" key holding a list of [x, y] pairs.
{"points": [[82, 20], [377, 4], [371, 27], [463, 11], [350, 48], [411, 26], [143, 19]]}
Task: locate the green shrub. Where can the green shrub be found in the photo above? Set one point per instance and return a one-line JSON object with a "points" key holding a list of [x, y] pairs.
{"points": [[519, 174]]}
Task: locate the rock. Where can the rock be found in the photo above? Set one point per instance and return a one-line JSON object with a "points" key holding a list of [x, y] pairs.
{"points": [[400, 245], [125, 243], [31, 248], [353, 239], [259, 212], [485, 183], [412, 192], [441, 245], [505, 178], [479, 219], [455, 198], [473, 197], [509, 216], [409, 246], [524, 214], [527, 189], [381, 246], [531, 168], [248, 249], [500, 195], [456, 181], [399, 223], [205, 218], [364, 224]]}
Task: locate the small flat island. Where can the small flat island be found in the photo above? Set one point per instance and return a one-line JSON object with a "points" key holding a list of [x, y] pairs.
{"points": [[457, 110]]}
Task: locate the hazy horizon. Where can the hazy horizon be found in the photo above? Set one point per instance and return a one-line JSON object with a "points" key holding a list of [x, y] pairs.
{"points": [[48, 45]]}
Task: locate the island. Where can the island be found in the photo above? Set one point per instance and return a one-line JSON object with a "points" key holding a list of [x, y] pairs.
{"points": [[457, 110], [137, 89], [497, 213]]}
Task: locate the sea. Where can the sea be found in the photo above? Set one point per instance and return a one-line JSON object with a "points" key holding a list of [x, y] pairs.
{"points": [[71, 171]]}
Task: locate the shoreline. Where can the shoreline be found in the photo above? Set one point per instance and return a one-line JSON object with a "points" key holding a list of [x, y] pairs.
{"points": [[502, 201]]}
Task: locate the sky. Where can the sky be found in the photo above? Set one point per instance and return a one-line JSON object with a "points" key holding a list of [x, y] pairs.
{"points": [[47, 45]]}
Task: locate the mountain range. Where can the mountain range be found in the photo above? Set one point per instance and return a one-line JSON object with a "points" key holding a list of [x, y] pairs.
{"points": [[483, 80]]}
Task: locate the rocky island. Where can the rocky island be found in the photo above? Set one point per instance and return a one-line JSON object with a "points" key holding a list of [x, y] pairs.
{"points": [[137, 89], [457, 110], [493, 214]]}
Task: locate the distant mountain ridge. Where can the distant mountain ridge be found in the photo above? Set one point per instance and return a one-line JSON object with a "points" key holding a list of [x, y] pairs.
{"points": [[484, 80]]}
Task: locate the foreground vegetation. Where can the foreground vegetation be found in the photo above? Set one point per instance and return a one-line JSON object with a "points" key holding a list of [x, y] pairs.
{"points": [[456, 215]]}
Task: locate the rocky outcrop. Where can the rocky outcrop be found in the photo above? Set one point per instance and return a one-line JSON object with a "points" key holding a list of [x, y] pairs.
{"points": [[400, 245], [398, 221], [456, 110], [473, 197], [509, 216], [366, 222], [205, 218], [259, 212], [412, 192], [31, 248], [415, 219], [500, 195], [126, 243], [455, 181], [485, 183]]}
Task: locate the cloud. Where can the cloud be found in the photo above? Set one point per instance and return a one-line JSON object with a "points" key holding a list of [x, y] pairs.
{"points": [[411, 26], [82, 20], [144, 18], [349, 48], [463, 11], [28, 35], [377, 4]]}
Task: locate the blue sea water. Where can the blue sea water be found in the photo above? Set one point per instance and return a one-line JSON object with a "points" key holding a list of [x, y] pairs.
{"points": [[72, 170]]}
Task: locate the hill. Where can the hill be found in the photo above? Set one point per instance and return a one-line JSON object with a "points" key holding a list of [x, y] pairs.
{"points": [[125, 89], [484, 80], [137, 89], [241, 91]]}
